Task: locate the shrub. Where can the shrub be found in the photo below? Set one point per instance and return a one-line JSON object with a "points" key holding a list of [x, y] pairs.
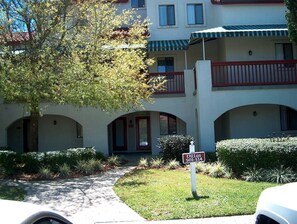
{"points": [[173, 146], [45, 173], [113, 160], [200, 167], [217, 170], [64, 170], [157, 162], [173, 164], [254, 175], [95, 165], [281, 175], [143, 162], [243, 154], [84, 167]]}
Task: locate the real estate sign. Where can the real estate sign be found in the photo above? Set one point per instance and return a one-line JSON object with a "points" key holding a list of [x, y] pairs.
{"points": [[193, 157]]}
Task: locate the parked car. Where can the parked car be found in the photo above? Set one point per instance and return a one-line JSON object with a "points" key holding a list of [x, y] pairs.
{"points": [[15, 212], [277, 205]]}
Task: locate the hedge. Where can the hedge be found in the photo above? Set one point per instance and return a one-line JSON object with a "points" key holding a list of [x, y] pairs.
{"points": [[12, 163], [243, 154]]}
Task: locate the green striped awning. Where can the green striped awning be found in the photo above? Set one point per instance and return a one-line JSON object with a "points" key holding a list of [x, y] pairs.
{"points": [[275, 30], [167, 45]]}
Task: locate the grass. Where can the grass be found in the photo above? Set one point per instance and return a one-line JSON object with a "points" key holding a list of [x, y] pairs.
{"points": [[158, 194], [12, 193]]}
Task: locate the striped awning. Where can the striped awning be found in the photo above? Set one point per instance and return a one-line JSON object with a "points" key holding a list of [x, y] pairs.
{"points": [[275, 30], [168, 45]]}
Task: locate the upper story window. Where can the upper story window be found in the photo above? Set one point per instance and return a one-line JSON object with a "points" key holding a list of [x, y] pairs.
{"points": [[137, 3], [166, 15], [195, 14], [165, 64]]}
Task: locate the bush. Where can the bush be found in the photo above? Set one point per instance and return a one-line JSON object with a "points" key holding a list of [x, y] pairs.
{"points": [[243, 154], [173, 146], [281, 175], [173, 164], [254, 175], [13, 163], [157, 162], [113, 161], [217, 170], [45, 173], [64, 170], [143, 162]]}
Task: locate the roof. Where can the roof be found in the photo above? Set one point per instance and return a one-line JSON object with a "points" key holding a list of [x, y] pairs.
{"points": [[167, 45], [273, 30]]}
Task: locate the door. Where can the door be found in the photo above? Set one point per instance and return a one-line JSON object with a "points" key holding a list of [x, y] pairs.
{"points": [[143, 137], [120, 134]]}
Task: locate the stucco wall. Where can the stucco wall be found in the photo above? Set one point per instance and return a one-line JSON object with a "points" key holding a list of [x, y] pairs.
{"points": [[212, 103]]}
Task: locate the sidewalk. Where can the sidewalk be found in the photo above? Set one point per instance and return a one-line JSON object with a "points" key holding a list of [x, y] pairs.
{"points": [[91, 199]]}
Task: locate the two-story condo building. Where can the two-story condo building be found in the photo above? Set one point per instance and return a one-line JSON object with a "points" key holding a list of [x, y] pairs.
{"points": [[231, 73]]}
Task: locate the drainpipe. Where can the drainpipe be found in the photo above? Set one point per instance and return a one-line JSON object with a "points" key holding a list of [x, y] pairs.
{"points": [[186, 60], [203, 49]]}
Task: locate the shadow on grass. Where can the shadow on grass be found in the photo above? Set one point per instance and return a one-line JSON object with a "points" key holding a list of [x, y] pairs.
{"points": [[131, 183], [196, 198]]}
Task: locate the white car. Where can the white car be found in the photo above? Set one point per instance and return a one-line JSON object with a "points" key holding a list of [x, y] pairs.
{"points": [[15, 212], [278, 205]]}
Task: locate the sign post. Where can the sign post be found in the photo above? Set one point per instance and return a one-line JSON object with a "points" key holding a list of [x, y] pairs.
{"points": [[192, 157]]}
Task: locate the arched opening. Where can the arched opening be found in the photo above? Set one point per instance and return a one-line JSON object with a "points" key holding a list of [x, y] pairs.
{"points": [[256, 121], [138, 132], [55, 133]]}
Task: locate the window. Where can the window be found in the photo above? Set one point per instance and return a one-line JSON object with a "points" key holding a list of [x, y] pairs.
{"points": [[167, 124], [79, 130], [195, 14], [284, 51], [165, 64], [288, 118], [137, 3], [167, 15]]}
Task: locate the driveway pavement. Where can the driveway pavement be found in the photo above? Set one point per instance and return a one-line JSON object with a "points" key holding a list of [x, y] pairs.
{"points": [[91, 199]]}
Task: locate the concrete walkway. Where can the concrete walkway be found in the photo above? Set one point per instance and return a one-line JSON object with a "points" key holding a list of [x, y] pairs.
{"points": [[91, 199]]}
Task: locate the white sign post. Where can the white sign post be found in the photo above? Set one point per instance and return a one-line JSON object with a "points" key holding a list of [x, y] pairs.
{"points": [[193, 171], [192, 157]]}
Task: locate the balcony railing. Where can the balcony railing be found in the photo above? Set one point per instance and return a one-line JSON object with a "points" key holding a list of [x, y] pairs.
{"points": [[253, 73], [175, 82]]}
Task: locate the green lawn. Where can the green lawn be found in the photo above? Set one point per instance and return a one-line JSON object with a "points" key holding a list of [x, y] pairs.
{"points": [[12, 193], [166, 194]]}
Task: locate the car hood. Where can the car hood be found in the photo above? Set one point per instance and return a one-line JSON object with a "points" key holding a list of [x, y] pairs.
{"points": [[282, 196]]}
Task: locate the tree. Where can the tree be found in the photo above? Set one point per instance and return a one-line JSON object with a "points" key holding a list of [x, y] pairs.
{"points": [[69, 52], [291, 16]]}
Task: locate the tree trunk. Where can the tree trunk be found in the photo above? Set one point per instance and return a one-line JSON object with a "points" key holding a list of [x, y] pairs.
{"points": [[33, 140]]}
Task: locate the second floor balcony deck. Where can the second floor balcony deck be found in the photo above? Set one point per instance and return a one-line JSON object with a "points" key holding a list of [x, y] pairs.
{"points": [[175, 82], [254, 73]]}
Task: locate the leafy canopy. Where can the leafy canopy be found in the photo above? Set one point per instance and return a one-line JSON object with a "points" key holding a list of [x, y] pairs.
{"points": [[291, 16], [70, 52]]}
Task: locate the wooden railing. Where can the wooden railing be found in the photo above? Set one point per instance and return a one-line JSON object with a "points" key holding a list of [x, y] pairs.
{"points": [[175, 82], [253, 73]]}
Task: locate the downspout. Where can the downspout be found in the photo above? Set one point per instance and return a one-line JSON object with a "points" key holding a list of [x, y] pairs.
{"points": [[203, 49], [186, 60]]}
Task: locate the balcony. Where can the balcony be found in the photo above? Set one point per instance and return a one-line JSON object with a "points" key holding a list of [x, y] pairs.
{"points": [[254, 73], [175, 82]]}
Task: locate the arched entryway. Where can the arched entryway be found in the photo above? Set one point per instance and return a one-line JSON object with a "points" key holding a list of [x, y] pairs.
{"points": [[55, 133], [256, 121], [139, 131]]}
